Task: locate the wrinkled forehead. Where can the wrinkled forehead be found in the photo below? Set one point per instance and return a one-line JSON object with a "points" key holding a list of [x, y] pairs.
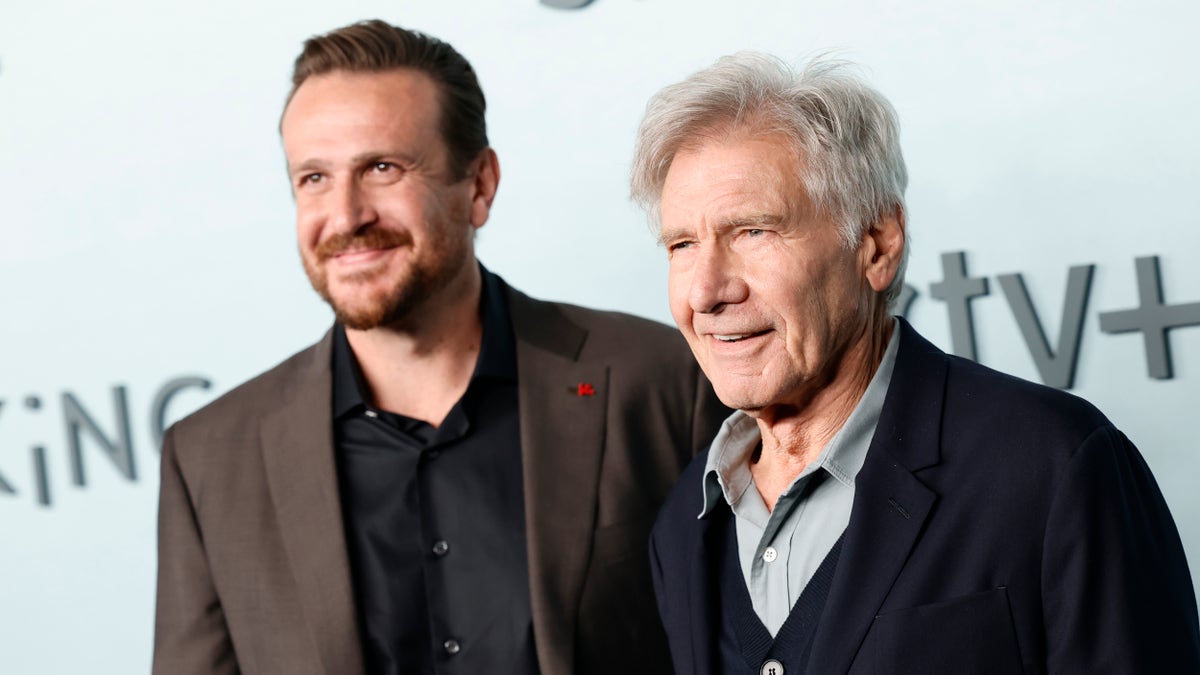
{"points": [[733, 178], [344, 113], [749, 160]]}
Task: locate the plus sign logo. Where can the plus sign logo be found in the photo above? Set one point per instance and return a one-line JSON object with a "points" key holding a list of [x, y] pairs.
{"points": [[1152, 318]]}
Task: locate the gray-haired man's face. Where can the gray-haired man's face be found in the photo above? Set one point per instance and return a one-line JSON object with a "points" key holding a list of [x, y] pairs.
{"points": [[761, 284]]}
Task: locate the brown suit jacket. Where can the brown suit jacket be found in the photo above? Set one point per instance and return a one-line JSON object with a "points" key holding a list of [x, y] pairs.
{"points": [[253, 575]]}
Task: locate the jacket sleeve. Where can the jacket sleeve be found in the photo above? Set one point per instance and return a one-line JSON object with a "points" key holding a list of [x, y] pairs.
{"points": [[190, 635], [1117, 595]]}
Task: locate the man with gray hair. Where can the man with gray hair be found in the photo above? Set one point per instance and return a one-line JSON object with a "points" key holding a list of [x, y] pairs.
{"points": [[874, 505]]}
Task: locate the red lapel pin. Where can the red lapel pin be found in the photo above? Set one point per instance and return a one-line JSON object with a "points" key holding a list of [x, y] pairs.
{"points": [[585, 389]]}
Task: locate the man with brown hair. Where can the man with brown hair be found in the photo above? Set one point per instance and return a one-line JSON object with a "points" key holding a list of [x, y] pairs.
{"points": [[457, 478]]}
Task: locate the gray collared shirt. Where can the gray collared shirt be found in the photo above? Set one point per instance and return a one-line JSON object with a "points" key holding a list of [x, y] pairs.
{"points": [[780, 550]]}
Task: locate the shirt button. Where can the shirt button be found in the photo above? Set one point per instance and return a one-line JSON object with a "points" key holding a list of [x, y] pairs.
{"points": [[452, 647], [770, 555], [771, 667], [441, 547], [371, 413]]}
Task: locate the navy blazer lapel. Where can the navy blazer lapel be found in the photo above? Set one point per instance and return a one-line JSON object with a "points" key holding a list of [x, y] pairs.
{"points": [[298, 453], [563, 404], [704, 591], [890, 503]]}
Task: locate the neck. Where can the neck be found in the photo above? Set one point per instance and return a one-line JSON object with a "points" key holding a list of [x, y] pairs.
{"points": [[793, 436], [420, 366]]}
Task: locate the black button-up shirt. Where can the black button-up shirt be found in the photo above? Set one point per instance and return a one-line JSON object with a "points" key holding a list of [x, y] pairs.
{"points": [[435, 518]]}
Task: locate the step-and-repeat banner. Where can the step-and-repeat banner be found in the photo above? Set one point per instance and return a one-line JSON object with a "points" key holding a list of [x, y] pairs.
{"points": [[148, 261]]}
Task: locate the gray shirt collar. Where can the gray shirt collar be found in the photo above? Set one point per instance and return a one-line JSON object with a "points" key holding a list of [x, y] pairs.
{"points": [[727, 471]]}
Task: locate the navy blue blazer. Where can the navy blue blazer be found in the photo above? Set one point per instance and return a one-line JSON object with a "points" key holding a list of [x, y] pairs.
{"points": [[998, 526]]}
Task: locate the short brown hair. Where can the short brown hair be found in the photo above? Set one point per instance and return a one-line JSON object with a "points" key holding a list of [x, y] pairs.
{"points": [[377, 46]]}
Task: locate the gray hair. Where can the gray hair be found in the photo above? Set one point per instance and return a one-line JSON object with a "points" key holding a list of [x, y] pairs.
{"points": [[844, 132]]}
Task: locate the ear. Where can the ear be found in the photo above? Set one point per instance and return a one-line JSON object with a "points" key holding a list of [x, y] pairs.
{"points": [[484, 181], [882, 249]]}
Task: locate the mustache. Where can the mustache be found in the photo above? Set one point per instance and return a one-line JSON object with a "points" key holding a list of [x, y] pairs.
{"points": [[371, 238]]}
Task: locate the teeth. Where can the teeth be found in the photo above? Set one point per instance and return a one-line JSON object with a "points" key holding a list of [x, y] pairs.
{"points": [[731, 338]]}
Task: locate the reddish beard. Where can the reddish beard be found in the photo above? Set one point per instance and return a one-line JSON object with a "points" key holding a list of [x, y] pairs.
{"points": [[426, 274]]}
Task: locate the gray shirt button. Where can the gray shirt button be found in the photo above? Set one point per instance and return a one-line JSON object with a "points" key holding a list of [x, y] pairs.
{"points": [[440, 548], [770, 555], [771, 667], [452, 647]]}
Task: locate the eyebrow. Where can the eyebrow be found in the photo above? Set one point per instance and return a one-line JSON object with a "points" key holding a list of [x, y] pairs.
{"points": [[305, 166], [725, 224], [665, 235], [751, 220]]}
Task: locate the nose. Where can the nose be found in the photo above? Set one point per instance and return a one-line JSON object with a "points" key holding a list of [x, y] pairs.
{"points": [[351, 208], [716, 280]]}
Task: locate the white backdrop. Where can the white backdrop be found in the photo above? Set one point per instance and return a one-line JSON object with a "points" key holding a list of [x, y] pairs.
{"points": [[146, 226]]}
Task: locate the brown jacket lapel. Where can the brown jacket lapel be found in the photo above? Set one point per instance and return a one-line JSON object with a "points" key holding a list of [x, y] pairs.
{"points": [[297, 445], [562, 442]]}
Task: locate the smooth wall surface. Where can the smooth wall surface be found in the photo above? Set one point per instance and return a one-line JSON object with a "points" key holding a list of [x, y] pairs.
{"points": [[148, 262]]}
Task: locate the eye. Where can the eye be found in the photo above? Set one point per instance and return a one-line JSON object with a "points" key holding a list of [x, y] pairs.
{"points": [[310, 179], [679, 247], [754, 232], [383, 172]]}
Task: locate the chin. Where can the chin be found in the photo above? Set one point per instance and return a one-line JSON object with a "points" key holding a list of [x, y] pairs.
{"points": [[361, 310], [737, 398]]}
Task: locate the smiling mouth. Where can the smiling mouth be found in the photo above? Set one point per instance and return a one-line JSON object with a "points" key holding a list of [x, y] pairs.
{"points": [[348, 246], [352, 254], [737, 337]]}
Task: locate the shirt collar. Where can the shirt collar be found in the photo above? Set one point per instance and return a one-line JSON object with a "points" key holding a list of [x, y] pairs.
{"points": [[497, 353], [347, 386], [727, 470]]}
